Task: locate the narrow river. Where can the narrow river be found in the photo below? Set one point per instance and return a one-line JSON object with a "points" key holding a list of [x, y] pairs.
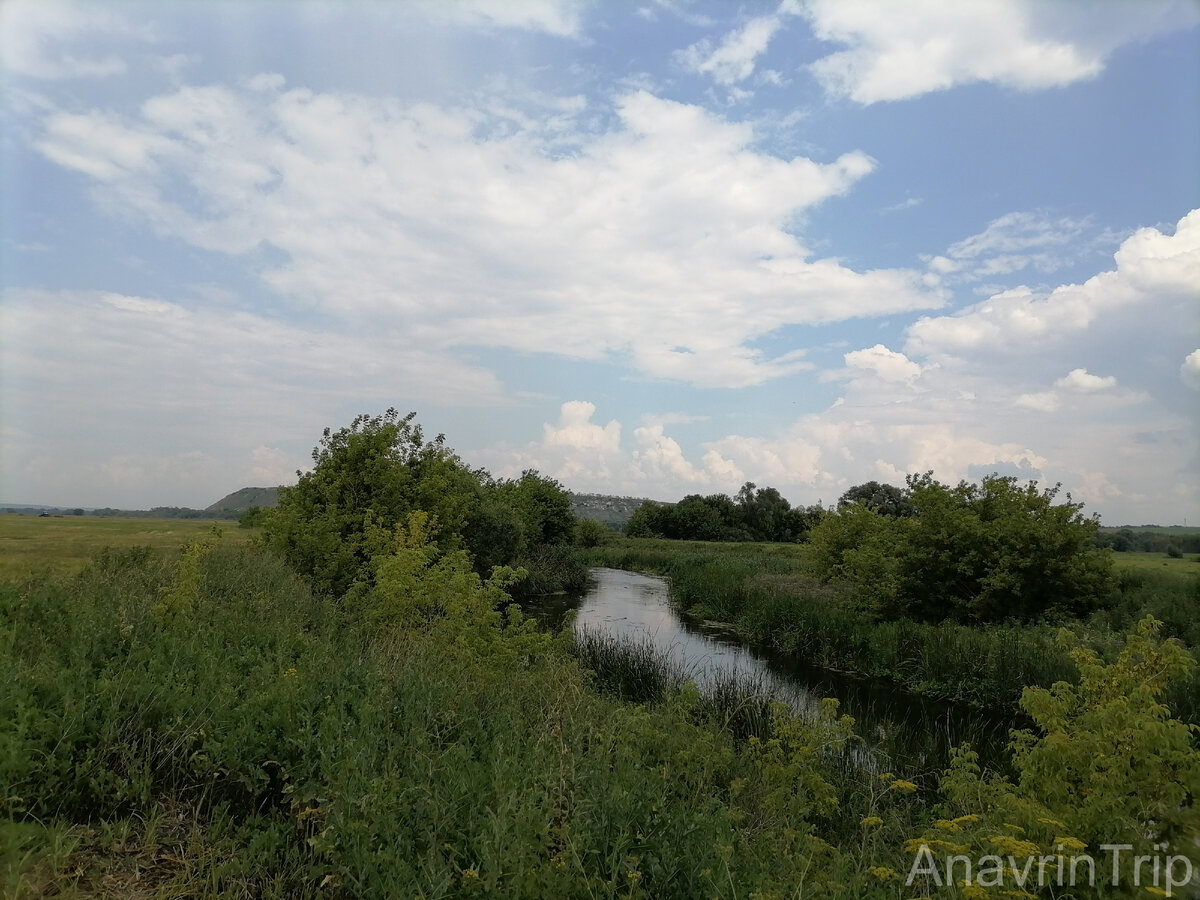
{"points": [[900, 731]]}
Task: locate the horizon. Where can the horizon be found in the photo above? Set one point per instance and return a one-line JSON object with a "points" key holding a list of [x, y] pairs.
{"points": [[649, 249]]}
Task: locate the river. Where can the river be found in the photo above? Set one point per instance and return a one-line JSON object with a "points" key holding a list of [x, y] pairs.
{"points": [[900, 731]]}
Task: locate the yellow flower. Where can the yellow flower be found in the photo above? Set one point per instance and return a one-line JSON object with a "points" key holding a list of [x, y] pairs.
{"points": [[883, 873], [633, 876], [962, 820], [470, 873], [290, 673], [1070, 843], [1054, 822], [870, 820], [972, 891], [904, 787]]}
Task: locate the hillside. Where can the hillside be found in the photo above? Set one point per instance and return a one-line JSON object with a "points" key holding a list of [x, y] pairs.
{"points": [[242, 500], [611, 511]]}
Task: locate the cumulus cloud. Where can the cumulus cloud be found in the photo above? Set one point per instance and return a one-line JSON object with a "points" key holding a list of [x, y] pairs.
{"points": [[897, 51], [1153, 268], [1083, 381], [1190, 370], [885, 364], [667, 240]]}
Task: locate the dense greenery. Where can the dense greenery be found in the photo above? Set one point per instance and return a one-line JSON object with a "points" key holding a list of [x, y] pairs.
{"points": [[210, 727], [985, 552], [756, 514], [369, 477], [1149, 540]]}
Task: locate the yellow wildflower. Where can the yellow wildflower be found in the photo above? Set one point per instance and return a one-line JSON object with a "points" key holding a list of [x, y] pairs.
{"points": [[904, 787], [1070, 843], [883, 873], [470, 873], [290, 673], [870, 820]]}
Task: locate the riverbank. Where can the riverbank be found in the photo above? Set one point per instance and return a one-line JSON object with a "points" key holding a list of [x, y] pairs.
{"points": [[768, 596]]}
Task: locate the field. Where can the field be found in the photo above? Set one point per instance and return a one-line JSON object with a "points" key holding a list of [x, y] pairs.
{"points": [[63, 545], [1188, 565]]}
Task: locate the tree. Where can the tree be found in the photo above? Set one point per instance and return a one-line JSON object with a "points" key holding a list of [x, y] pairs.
{"points": [[972, 553], [885, 499], [366, 479]]}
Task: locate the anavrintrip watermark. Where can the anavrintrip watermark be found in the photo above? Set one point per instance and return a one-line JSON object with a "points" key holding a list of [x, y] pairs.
{"points": [[1117, 863]]}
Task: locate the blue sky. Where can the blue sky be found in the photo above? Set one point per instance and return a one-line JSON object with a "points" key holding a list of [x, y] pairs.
{"points": [[650, 249]]}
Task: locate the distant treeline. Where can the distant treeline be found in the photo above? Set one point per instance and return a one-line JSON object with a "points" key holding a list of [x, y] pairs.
{"points": [[1139, 540], [755, 514]]}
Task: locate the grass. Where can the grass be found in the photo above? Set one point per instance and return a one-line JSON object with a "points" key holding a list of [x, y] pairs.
{"points": [[207, 727], [64, 545], [1189, 564]]}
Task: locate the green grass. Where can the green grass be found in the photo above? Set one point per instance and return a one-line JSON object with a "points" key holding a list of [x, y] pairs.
{"points": [[1189, 564], [64, 545]]}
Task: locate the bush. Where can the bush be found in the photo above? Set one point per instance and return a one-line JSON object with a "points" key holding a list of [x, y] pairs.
{"points": [[972, 553]]}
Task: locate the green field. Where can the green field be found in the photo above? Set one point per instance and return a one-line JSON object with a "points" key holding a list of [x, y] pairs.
{"points": [[62, 545], [1189, 564]]}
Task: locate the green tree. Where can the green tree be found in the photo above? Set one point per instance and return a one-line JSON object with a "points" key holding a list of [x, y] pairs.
{"points": [[885, 499], [366, 479]]}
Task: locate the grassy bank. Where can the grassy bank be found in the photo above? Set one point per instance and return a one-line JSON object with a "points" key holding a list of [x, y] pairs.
{"points": [[767, 594]]}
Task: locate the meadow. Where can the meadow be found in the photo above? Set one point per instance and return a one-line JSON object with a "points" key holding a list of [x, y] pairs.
{"points": [[59, 545], [203, 724]]}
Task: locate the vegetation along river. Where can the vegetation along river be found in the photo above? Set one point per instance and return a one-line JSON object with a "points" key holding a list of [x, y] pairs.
{"points": [[899, 730]]}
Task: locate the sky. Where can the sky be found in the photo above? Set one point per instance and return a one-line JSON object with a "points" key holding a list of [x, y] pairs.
{"points": [[648, 249]]}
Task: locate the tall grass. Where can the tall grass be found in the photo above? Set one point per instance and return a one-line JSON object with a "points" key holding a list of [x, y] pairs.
{"points": [[208, 727]]}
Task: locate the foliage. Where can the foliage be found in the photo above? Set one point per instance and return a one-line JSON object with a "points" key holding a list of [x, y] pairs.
{"points": [[368, 478], [1105, 764], [254, 517], [590, 533], [885, 499], [756, 514], [972, 553]]}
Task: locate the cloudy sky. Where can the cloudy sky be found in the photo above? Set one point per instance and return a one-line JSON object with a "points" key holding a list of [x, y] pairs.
{"points": [[650, 249]]}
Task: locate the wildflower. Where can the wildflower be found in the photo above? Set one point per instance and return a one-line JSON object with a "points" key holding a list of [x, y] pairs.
{"points": [[961, 820], [870, 820], [1070, 843], [972, 891], [633, 876], [290, 673], [1048, 821], [470, 873], [904, 787], [883, 873]]}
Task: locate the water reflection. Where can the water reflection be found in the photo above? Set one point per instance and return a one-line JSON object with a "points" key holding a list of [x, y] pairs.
{"points": [[903, 731]]}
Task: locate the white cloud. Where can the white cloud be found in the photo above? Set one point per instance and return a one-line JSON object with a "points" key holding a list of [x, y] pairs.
{"points": [[885, 364], [41, 39], [667, 241], [733, 59], [1046, 401], [1083, 381], [901, 50], [1190, 370], [1152, 268]]}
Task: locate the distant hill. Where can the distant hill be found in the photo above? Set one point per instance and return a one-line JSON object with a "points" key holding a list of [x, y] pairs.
{"points": [[242, 500], [611, 511]]}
